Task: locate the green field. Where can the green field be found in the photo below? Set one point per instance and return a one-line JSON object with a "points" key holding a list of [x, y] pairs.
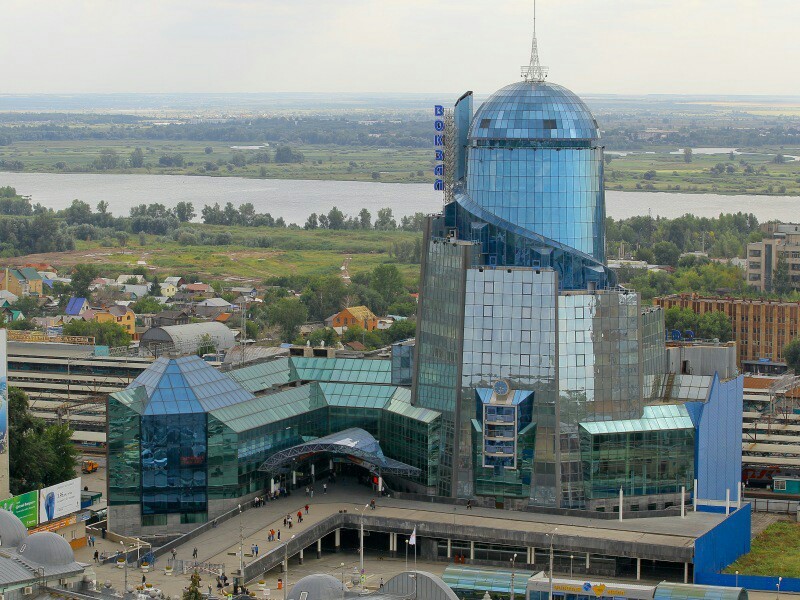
{"points": [[672, 173], [415, 165], [289, 252], [774, 552], [321, 162]]}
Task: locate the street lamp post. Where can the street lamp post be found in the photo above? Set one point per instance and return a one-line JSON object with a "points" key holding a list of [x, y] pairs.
{"points": [[552, 536], [513, 564], [779, 587], [286, 562], [737, 578], [241, 551], [125, 558], [361, 544], [570, 564], [342, 567]]}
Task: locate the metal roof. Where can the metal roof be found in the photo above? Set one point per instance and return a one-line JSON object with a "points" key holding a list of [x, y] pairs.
{"points": [[353, 442], [654, 418], [184, 336]]}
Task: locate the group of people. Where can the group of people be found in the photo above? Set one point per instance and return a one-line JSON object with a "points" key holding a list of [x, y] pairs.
{"points": [[254, 549]]}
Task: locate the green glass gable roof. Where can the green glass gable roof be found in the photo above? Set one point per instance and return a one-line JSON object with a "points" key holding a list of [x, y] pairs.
{"points": [[264, 410], [663, 417], [344, 370], [260, 377]]}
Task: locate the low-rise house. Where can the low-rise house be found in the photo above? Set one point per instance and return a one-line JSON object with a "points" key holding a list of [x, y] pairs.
{"points": [[212, 307], [9, 315], [168, 289], [244, 291], [136, 292], [198, 288], [121, 315], [21, 282], [355, 315], [124, 279], [77, 306], [176, 281], [170, 317]]}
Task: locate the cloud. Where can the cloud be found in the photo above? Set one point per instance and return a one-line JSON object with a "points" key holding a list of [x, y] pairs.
{"points": [[603, 46]]}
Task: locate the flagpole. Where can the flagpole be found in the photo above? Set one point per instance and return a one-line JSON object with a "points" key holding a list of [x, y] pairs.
{"points": [[406, 555]]}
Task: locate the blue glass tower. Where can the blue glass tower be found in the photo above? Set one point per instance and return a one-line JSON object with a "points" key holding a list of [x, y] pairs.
{"points": [[522, 331]]}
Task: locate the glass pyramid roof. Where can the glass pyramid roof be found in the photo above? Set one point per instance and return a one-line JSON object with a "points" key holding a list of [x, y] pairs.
{"points": [[186, 385]]}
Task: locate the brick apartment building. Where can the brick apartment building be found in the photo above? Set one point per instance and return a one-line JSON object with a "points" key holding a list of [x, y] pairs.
{"points": [[761, 328]]}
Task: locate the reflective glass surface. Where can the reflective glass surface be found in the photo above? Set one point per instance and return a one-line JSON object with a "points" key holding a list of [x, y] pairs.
{"points": [[650, 455], [534, 111]]}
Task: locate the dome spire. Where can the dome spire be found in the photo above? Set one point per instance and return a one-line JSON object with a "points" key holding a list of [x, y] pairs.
{"points": [[534, 71]]}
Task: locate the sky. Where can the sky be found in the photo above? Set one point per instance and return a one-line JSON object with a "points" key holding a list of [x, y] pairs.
{"points": [[716, 47]]}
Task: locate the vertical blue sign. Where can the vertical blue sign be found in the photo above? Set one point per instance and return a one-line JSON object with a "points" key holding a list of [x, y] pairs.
{"points": [[438, 143]]}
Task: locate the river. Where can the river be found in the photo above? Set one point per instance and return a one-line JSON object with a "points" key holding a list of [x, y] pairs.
{"points": [[294, 200]]}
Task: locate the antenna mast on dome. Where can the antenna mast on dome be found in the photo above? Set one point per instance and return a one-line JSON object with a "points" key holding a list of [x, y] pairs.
{"points": [[534, 71]]}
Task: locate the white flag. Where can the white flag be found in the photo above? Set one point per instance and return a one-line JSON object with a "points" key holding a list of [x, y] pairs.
{"points": [[413, 539]]}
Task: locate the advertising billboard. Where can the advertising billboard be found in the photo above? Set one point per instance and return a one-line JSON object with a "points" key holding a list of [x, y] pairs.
{"points": [[59, 500], [3, 393], [25, 507]]}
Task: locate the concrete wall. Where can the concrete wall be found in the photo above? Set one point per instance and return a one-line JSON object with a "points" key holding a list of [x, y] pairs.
{"points": [[703, 360]]}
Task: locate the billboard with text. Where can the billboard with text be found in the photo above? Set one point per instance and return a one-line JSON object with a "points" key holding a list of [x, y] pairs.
{"points": [[25, 506], [59, 500]]}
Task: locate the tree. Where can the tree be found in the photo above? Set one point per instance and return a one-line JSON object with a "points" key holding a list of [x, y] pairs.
{"points": [[287, 314], [335, 219], [365, 219], [78, 213], [645, 254], [155, 287], [105, 334], [385, 220], [209, 150], [715, 324], [184, 212], [666, 253], [193, 591], [388, 282], [781, 282], [137, 158], [82, 277], [324, 296], [791, 354], [147, 306], [687, 155], [311, 222], [39, 455], [400, 330]]}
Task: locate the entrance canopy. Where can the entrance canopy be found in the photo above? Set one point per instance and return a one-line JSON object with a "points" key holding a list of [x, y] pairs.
{"points": [[356, 444]]}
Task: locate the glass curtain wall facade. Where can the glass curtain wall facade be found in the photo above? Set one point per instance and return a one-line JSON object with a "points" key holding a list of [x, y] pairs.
{"points": [[182, 462], [539, 309], [647, 456]]}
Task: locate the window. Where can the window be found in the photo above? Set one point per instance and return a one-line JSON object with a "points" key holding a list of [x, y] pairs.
{"points": [[780, 485], [148, 520], [550, 124]]}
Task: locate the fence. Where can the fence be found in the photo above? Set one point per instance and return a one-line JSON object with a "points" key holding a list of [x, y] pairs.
{"points": [[788, 507], [751, 582]]}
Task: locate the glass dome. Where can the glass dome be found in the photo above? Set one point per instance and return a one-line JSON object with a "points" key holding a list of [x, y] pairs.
{"points": [[534, 111]]}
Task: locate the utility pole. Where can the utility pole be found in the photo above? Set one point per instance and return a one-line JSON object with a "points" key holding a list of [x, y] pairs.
{"points": [[552, 536], [241, 553], [513, 564]]}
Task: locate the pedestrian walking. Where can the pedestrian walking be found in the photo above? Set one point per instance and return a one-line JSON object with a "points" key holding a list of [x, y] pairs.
{"points": [[96, 556], [306, 508], [324, 488], [312, 492], [307, 491], [372, 504], [209, 590], [285, 520], [174, 553], [256, 549], [299, 516], [194, 552], [144, 579], [279, 535]]}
